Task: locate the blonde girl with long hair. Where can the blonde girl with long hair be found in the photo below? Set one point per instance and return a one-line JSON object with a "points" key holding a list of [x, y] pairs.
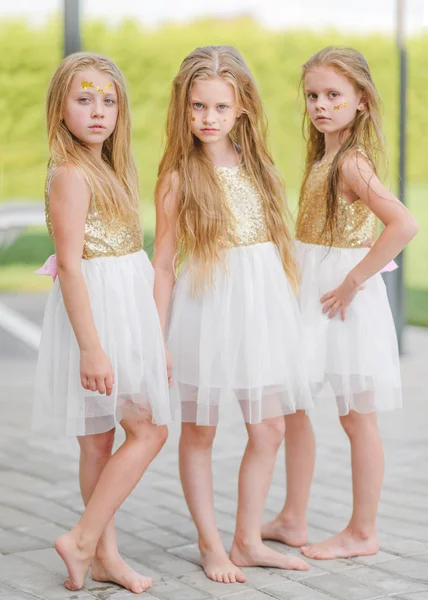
{"points": [[101, 359], [347, 320], [225, 277]]}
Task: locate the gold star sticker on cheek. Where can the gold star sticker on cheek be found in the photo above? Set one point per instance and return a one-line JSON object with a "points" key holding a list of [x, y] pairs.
{"points": [[339, 106]]}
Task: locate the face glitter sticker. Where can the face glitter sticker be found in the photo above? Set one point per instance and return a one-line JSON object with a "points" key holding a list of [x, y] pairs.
{"points": [[89, 84], [101, 90], [339, 106]]}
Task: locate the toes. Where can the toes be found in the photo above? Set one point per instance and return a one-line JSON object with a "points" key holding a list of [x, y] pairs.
{"points": [[306, 550], [146, 582], [70, 585], [301, 565], [226, 578], [232, 578]]}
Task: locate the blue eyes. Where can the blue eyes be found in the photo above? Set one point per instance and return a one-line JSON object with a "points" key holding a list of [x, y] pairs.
{"points": [[199, 105], [108, 101]]}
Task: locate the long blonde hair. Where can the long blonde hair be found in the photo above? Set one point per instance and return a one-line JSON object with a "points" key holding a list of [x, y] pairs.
{"points": [[113, 180], [203, 215], [364, 133]]}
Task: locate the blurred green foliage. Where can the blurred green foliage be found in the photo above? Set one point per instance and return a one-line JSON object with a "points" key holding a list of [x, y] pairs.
{"points": [[150, 59]]}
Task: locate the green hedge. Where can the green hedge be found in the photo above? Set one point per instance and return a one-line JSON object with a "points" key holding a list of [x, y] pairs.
{"points": [[150, 59]]}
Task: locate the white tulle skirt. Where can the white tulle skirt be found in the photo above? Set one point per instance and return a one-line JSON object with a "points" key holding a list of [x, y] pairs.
{"points": [[356, 358], [121, 296], [238, 341]]}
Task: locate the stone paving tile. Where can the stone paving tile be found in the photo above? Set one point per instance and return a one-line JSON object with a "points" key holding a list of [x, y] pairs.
{"points": [[385, 582], [13, 541], [406, 567], [338, 586], [294, 591], [9, 593], [415, 596], [172, 589], [28, 577]]}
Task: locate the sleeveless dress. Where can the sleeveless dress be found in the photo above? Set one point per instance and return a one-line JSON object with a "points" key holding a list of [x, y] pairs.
{"points": [[119, 278], [357, 358], [240, 340]]}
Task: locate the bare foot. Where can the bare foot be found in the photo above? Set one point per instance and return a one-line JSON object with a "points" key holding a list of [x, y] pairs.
{"points": [[343, 545], [76, 560], [282, 532], [260, 555], [219, 567], [115, 570]]}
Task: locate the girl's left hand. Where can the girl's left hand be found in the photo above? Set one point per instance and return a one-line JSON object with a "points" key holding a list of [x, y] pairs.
{"points": [[340, 298]]}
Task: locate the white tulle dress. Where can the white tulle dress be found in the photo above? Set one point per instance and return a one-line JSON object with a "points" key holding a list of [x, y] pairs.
{"points": [[119, 278], [241, 339], [356, 359]]}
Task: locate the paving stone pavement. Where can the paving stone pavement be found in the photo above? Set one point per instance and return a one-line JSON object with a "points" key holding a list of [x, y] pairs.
{"points": [[39, 499]]}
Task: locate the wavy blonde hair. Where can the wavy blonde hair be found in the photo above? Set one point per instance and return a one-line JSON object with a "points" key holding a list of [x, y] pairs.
{"points": [[113, 180], [203, 215], [364, 133]]}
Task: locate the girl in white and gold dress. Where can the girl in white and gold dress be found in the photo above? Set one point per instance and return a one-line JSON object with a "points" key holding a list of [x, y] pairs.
{"points": [[234, 333], [101, 359], [348, 326]]}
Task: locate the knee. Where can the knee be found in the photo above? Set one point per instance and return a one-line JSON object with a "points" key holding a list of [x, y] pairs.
{"points": [[298, 421], [99, 445], [201, 436], [270, 433], [355, 423], [145, 432]]}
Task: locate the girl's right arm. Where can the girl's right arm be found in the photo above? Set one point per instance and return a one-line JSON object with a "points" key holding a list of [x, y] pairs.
{"points": [[69, 198], [165, 250]]}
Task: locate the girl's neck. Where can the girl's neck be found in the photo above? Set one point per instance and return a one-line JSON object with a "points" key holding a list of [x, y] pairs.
{"points": [[333, 142], [96, 150], [332, 145], [222, 153]]}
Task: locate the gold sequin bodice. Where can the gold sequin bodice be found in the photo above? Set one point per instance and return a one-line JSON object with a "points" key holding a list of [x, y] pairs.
{"points": [[249, 226], [103, 237], [356, 223]]}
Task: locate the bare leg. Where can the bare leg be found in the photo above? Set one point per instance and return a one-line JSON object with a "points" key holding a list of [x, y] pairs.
{"points": [[290, 526], [196, 477], [255, 477], [108, 565], [359, 538], [120, 475]]}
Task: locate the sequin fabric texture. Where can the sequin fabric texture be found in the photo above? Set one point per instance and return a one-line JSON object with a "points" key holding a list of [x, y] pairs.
{"points": [[103, 237], [356, 223], [245, 204]]}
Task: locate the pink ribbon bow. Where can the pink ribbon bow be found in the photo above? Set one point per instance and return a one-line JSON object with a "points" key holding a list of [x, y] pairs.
{"points": [[391, 266], [49, 268]]}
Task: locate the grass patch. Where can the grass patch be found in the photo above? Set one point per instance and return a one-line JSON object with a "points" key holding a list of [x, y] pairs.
{"points": [[417, 307]]}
